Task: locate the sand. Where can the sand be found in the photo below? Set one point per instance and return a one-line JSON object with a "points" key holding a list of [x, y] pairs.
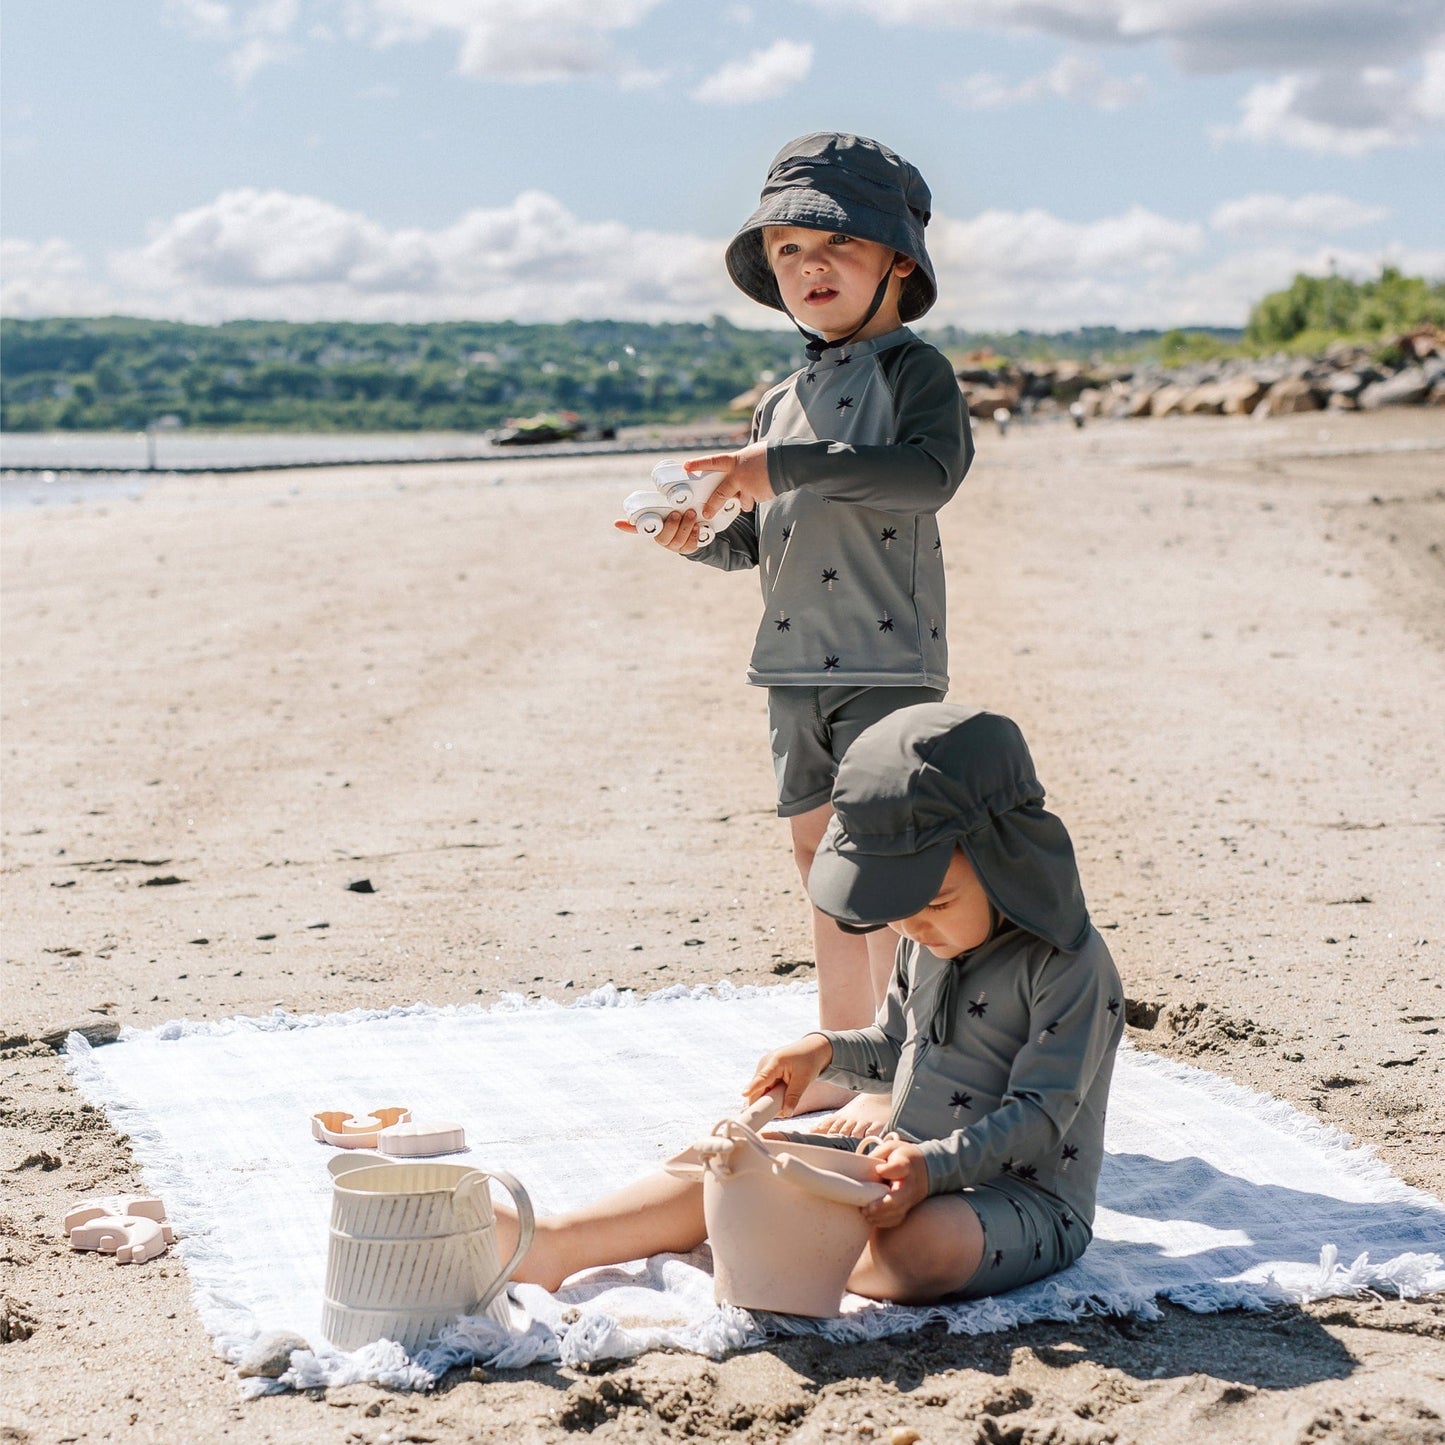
{"points": [[229, 698]]}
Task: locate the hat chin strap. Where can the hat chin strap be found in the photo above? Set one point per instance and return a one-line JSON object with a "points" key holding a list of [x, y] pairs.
{"points": [[816, 346]]}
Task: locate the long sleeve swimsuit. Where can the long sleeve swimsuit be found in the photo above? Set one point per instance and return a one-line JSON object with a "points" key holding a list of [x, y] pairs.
{"points": [[863, 449], [999, 1064]]}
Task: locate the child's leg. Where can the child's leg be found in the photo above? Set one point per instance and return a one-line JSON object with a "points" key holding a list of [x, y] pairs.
{"points": [[935, 1252], [660, 1214], [847, 998]]}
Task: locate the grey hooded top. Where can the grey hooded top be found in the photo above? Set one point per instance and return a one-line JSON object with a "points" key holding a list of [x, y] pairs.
{"points": [[863, 450], [999, 1060]]}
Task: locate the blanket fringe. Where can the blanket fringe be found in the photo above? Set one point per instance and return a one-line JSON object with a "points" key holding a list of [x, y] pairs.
{"points": [[607, 995]]}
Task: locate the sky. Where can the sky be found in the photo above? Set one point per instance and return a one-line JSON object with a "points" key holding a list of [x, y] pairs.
{"points": [[1093, 162]]}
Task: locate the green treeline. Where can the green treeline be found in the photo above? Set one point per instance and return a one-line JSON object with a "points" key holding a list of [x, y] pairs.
{"points": [[1315, 310], [121, 373]]}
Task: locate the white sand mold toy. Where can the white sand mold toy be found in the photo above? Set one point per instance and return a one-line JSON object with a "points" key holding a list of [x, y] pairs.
{"points": [[413, 1245], [132, 1227], [785, 1220], [675, 489]]}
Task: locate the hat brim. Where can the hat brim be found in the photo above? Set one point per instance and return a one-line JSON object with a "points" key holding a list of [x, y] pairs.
{"points": [[863, 891]]}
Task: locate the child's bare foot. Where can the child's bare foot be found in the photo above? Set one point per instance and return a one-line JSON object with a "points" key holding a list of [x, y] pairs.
{"points": [[864, 1114]]}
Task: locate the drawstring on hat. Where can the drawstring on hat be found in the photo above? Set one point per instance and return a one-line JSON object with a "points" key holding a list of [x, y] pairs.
{"points": [[815, 345]]}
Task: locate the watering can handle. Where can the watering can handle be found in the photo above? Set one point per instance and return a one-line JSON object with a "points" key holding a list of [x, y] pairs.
{"points": [[825, 1184], [526, 1223]]}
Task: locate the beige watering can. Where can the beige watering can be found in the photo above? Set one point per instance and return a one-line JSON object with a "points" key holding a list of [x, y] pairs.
{"points": [[785, 1220], [414, 1245]]}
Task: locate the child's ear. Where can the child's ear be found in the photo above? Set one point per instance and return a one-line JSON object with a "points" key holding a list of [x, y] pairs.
{"points": [[903, 265]]}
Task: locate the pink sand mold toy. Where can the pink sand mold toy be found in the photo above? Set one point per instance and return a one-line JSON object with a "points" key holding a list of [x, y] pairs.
{"points": [[675, 489], [345, 1132], [132, 1227], [785, 1220]]}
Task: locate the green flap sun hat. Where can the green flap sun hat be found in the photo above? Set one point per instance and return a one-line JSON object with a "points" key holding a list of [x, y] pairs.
{"points": [[832, 182]]}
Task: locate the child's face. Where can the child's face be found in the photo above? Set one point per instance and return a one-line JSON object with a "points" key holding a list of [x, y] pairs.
{"points": [[827, 279], [958, 919]]}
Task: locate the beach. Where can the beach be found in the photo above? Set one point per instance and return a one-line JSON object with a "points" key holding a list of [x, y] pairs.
{"points": [[227, 698]]}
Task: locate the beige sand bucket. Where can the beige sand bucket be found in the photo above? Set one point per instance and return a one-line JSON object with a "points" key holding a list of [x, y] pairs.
{"points": [[414, 1245], [785, 1220]]}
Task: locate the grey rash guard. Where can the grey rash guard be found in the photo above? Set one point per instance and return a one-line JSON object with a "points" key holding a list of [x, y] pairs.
{"points": [[863, 449], [999, 1062]]}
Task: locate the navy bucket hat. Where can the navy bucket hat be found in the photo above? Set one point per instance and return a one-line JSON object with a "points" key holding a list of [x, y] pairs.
{"points": [[926, 780], [832, 182]]}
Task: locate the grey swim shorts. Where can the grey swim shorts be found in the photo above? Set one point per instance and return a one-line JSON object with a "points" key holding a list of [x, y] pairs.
{"points": [[811, 728]]}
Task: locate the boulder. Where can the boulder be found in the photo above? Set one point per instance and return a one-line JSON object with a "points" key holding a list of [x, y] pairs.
{"points": [[1242, 394], [1405, 388], [1205, 400], [1167, 400], [1288, 396], [1342, 401], [1437, 394], [1139, 401], [1348, 383], [983, 401]]}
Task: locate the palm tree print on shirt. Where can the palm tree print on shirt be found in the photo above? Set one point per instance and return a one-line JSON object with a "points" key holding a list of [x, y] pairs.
{"points": [[1070, 1153], [933, 629], [783, 624], [830, 663], [843, 403], [888, 536], [978, 1007], [830, 576], [960, 1102], [885, 624]]}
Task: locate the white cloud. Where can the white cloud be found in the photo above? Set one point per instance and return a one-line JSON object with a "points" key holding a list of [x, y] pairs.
{"points": [[762, 76], [290, 257], [1266, 217], [258, 34], [49, 278], [1343, 115], [1075, 77], [273, 254], [526, 41], [1204, 35], [1347, 78]]}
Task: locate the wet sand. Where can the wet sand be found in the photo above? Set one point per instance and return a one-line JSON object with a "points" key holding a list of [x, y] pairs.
{"points": [[1224, 639]]}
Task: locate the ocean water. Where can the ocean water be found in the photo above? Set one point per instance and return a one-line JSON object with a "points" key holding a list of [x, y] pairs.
{"points": [[196, 449]]}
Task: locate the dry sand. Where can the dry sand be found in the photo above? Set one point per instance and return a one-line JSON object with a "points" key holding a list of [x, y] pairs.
{"points": [[228, 699]]}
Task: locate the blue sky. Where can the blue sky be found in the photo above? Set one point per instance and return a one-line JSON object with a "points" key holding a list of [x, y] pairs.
{"points": [[1136, 162]]}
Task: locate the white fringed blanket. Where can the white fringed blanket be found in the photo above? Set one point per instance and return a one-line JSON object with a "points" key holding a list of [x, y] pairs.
{"points": [[1211, 1196]]}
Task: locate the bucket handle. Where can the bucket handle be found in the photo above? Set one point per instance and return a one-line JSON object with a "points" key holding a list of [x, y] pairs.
{"points": [[763, 1110], [825, 1184], [526, 1222]]}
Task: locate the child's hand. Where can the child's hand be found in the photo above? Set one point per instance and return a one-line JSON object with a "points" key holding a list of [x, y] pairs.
{"points": [[794, 1066], [679, 531], [745, 476], [902, 1167]]}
